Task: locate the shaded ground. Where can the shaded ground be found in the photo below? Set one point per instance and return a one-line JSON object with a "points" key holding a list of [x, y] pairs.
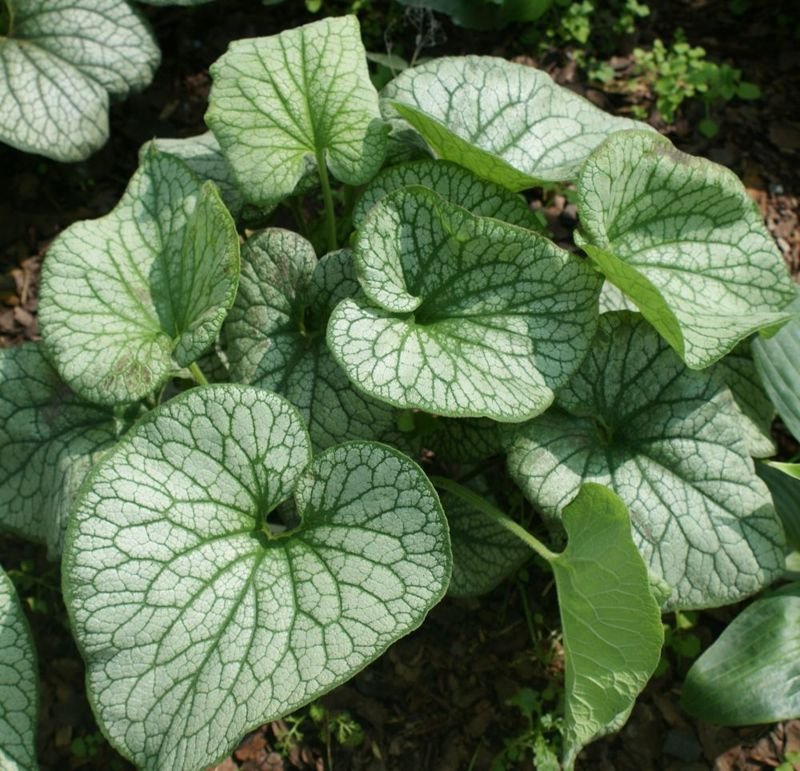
{"points": [[439, 699]]}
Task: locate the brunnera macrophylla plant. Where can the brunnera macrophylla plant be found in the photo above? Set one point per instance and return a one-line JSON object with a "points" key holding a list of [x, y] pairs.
{"points": [[220, 434]]}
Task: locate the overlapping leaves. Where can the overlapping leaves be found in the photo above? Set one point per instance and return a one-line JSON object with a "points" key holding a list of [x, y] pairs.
{"points": [[681, 238], [197, 618], [668, 441], [134, 296], [462, 315]]}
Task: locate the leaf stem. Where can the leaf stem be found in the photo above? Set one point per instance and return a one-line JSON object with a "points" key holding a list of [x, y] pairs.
{"points": [[327, 198], [482, 505], [197, 374]]}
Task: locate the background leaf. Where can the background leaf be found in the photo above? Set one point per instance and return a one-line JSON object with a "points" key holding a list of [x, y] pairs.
{"points": [[668, 441], [680, 236], [60, 61], [759, 655], [19, 690], [506, 122], [196, 619], [305, 93], [133, 296], [785, 490], [51, 438]]}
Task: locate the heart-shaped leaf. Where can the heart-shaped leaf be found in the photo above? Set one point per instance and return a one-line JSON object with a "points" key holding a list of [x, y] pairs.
{"points": [[464, 316], [668, 441], [60, 60], [278, 101], [133, 296], [455, 184], [612, 625], [506, 122], [51, 438], [679, 236], [275, 336], [777, 360], [758, 654], [197, 618], [19, 690]]}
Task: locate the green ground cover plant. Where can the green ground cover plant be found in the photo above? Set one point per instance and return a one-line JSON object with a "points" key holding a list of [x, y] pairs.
{"points": [[221, 433]]}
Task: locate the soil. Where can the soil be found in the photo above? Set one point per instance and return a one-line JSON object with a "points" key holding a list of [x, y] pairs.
{"points": [[438, 700]]}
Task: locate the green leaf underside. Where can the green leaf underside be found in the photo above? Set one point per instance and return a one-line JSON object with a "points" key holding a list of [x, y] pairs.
{"points": [[275, 336], [739, 373], [484, 552], [785, 491], [195, 625], [203, 155], [61, 62], [18, 684], [611, 623], [679, 236], [778, 363], [129, 298], [758, 655], [463, 316], [507, 122], [50, 440], [454, 184], [668, 441], [276, 101]]}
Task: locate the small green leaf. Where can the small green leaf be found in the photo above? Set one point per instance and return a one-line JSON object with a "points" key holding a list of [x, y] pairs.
{"points": [[278, 103], [197, 618], [506, 122], [612, 625], [681, 238], [60, 61], [669, 442], [777, 360], [133, 296], [746, 90], [739, 373], [783, 480], [708, 128], [51, 439], [484, 552], [275, 336], [758, 655], [19, 689], [463, 316], [453, 183]]}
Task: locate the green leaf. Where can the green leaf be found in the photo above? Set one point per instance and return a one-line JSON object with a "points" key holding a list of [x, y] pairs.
{"points": [[304, 95], [669, 442], [19, 689], [679, 235], [133, 296], [464, 440], [777, 360], [758, 655], [463, 316], [60, 60], [484, 552], [51, 438], [453, 183], [506, 122], [275, 336], [783, 480], [739, 373], [197, 619], [203, 155], [612, 625]]}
